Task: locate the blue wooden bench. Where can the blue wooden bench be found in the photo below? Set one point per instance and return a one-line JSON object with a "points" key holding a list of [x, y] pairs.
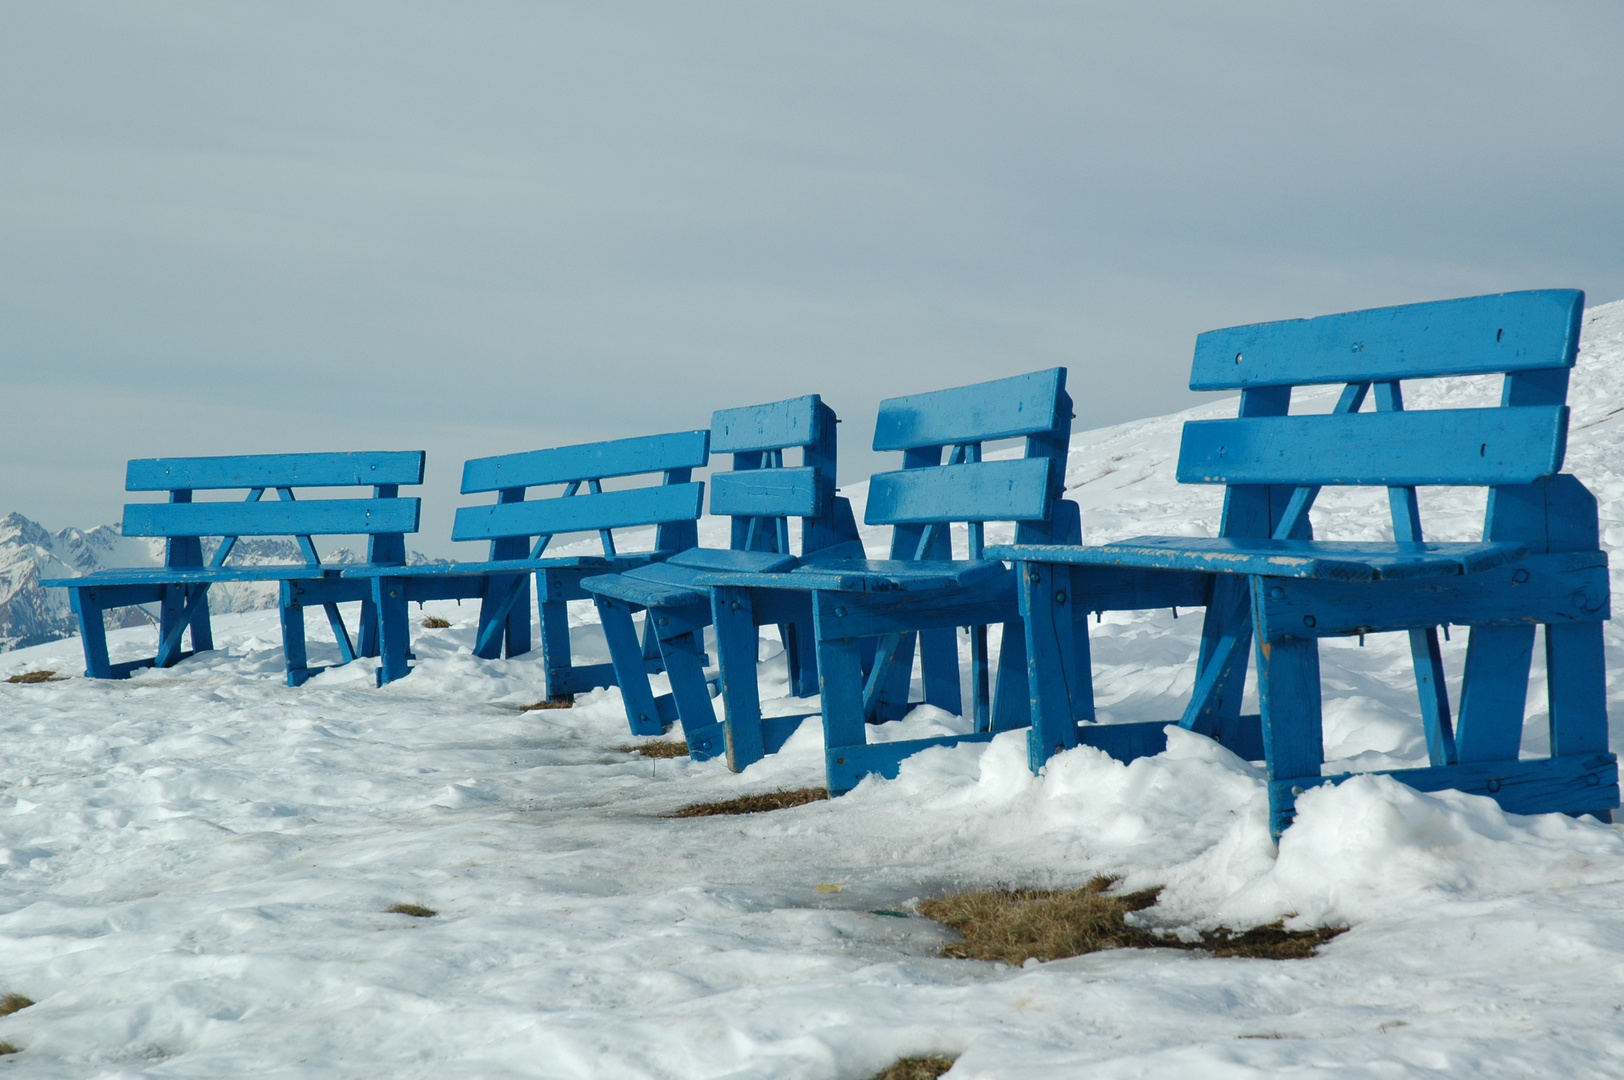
{"points": [[520, 530], [1267, 577], [870, 616], [760, 493], [181, 585]]}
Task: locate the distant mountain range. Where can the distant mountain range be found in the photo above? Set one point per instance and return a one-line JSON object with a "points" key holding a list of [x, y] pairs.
{"points": [[32, 615]]}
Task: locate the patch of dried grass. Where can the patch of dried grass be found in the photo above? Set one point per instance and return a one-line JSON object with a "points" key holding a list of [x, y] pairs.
{"points": [[416, 911], [9, 1048], [656, 749], [1015, 925], [754, 804], [565, 702], [916, 1068], [10, 1003], [434, 622], [36, 677]]}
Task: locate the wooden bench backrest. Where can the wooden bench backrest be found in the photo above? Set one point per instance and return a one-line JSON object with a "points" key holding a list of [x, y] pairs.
{"points": [[672, 505], [1275, 463], [385, 518], [927, 494], [761, 493]]}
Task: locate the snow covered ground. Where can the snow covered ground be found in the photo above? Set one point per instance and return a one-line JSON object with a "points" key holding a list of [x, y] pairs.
{"points": [[194, 866]]}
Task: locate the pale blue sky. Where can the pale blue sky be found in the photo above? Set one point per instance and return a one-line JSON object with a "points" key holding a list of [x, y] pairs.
{"points": [[479, 228]]}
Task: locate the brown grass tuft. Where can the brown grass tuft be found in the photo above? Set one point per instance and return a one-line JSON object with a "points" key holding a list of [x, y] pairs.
{"points": [[916, 1068], [754, 804], [416, 911], [657, 749], [1015, 925], [36, 677], [566, 702], [9, 1048], [10, 1003], [434, 622]]}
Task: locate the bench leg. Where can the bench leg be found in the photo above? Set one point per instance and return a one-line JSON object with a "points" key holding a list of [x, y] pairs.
{"points": [[1434, 694], [682, 646], [1494, 693], [202, 631], [518, 622], [642, 713], [502, 594], [801, 650], [1577, 686], [840, 680], [1060, 679], [394, 628], [340, 635], [1293, 735], [181, 604], [92, 632], [885, 697], [172, 617], [293, 635], [556, 656], [1226, 642], [736, 653], [1011, 702], [367, 632], [939, 663]]}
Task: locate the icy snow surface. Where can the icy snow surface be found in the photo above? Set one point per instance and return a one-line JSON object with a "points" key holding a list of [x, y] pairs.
{"points": [[195, 864]]}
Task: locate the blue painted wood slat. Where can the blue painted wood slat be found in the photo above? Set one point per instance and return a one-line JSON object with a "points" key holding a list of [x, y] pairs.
{"points": [[1477, 335], [314, 518], [580, 513], [999, 409], [1515, 445], [765, 493], [772, 426], [599, 461], [1016, 490], [275, 470]]}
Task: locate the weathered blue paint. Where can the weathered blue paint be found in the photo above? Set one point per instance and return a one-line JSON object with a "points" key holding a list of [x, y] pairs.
{"points": [[1270, 583], [760, 494], [180, 587], [870, 616], [520, 528], [1479, 335]]}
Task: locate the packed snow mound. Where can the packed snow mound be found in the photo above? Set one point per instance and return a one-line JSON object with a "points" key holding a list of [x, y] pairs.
{"points": [[195, 864]]}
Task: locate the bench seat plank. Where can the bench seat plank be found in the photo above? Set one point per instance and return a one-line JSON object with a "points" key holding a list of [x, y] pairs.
{"points": [[724, 560], [673, 583], [1324, 560], [865, 575], [488, 567], [143, 575]]}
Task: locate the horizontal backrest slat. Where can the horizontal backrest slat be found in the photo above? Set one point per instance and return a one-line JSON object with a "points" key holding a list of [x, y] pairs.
{"points": [[765, 427], [1520, 331], [581, 513], [1000, 409], [1512, 445], [275, 470], [984, 491], [765, 493], [317, 517], [588, 461]]}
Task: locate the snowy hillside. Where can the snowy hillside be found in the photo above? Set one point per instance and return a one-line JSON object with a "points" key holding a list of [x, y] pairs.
{"points": [[194, 865]]}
